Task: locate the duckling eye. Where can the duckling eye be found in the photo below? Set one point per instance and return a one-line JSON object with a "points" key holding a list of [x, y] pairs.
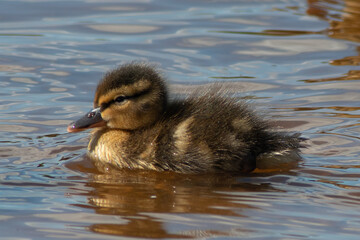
{"points": [[120, 99]]}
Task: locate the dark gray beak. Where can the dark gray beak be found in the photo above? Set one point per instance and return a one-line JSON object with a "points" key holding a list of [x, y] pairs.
{"points": [[90, 120]]}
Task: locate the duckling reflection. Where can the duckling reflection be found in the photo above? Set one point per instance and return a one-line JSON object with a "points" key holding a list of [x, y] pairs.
{"points": [[136, 127], [148, 203]]}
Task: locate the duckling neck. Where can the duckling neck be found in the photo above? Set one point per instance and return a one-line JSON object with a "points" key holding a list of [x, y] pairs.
{"points": [[111, 147], [101, 142]]}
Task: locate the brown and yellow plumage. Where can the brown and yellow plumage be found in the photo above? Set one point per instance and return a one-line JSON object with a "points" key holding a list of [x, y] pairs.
{"points": [[140, 129]]}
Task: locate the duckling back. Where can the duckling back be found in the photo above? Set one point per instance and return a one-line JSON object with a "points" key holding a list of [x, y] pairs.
{"points": [[213, 133]]}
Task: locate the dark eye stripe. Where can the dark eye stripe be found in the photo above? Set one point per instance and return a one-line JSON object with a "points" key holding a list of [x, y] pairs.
{"points": [[104, 106], [107, 104]]}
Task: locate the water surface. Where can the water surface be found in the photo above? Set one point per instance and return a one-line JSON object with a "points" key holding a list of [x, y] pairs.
{"points": [[297, 60]]}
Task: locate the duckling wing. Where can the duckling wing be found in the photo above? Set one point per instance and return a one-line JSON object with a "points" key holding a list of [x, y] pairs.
{"points": [[217, 134]]}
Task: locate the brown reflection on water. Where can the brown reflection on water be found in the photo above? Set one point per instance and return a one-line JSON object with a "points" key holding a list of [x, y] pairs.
{"points": [[351, 75], [274, 32], [346, 26], [351, 60], [148, 199]]}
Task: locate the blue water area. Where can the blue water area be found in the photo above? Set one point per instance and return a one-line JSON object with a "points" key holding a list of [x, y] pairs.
{"points": [[297, 61]]}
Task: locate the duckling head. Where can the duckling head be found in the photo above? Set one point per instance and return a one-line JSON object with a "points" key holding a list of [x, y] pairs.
{"points": [[130, 97]]}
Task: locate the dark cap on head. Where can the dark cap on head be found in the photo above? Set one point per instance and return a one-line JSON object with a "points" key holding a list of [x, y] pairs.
{"points": [[127, 75]]}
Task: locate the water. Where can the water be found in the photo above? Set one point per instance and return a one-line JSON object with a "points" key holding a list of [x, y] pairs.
{"points": [[298, 61]]}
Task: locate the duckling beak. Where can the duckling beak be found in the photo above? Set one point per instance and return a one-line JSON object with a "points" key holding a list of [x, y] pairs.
{"points": [[90, 120]]}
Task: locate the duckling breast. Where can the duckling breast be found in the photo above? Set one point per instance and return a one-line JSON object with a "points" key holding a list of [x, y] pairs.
{"points": [[106, 146]]}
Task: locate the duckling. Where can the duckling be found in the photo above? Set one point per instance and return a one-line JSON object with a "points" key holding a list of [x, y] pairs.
{"points": [[136, 127]]}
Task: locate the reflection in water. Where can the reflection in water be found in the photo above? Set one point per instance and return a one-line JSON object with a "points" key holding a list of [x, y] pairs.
{"points": [[351, 75], [275, 32], [342, 26], [348, 26], [351, 60], [147, 198]]}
